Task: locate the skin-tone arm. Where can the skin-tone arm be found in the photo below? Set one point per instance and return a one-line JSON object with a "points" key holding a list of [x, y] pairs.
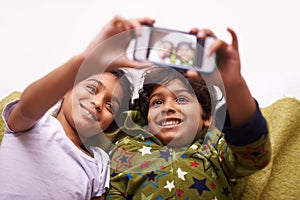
{"points": [[42, 94], [240, 104], [99, 198]]}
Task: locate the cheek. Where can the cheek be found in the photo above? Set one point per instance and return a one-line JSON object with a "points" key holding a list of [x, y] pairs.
{"points": [[149, 118], [122, 98], [199, 118], [78, 90], [106, 120], [151, 115]]}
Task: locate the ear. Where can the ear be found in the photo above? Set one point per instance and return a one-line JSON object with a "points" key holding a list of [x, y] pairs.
{"points": [[207, 122]]}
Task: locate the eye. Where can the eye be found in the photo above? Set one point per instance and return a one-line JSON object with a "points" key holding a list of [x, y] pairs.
{"points": [[92, 89], [182, 99], [110, 107], [156, 102]]}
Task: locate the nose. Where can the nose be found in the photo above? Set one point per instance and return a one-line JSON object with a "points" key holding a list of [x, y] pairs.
{"points": [[169, 106], [98, 103]]}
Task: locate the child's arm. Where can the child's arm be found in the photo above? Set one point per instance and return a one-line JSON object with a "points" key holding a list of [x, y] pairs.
{"points": [[246, 147], [99, 198], [240, 104], [42, 94]]}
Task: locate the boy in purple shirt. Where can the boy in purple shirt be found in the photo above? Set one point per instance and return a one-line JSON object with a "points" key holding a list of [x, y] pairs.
{"points": [[45, 157]]}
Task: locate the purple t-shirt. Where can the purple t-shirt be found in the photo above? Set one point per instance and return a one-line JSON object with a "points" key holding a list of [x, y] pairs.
{"points": [[43, 163]]}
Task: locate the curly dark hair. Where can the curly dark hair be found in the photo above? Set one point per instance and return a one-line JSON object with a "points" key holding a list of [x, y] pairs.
{"points": [[159, 76]]}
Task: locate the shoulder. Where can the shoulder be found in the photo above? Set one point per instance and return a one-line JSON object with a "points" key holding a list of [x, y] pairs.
{"points": [[213, 136], [99, 154], [47, 121]]}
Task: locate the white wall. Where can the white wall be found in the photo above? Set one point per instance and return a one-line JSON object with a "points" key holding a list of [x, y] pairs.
{"points": [[38, 35]]}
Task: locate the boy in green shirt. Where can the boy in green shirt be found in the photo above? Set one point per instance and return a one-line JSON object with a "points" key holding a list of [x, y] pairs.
{"points": [[179, 154]]}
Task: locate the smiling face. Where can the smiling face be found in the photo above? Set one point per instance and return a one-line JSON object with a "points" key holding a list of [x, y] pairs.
{"points": [[185, 52], [89, 107], [175, 114], [165, 50]]}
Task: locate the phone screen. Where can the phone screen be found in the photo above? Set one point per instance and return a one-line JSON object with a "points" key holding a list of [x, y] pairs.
{"points": [[172, 48], [175, 48]]}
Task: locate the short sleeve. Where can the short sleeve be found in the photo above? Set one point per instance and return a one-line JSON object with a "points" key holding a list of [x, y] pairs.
{"points": [[6, 112]]}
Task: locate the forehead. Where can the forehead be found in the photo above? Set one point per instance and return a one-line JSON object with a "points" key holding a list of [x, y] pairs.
{"points": [[184, 46], [173, 86], [103, 76], [107, 81], [166, 44]]}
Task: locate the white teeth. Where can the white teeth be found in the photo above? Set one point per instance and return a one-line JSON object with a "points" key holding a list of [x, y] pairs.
{"points": [[172, 122], [88, 113]]}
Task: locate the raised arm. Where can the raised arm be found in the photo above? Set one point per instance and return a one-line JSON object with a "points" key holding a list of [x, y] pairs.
{"points": [[240, 103], [247, 134], [42, 94], [241, 106]]}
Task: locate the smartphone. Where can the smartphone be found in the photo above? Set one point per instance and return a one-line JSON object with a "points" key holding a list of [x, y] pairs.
{"points": [[173, 48]]}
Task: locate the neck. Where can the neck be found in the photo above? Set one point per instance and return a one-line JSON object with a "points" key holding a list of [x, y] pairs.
{"points": [[73, 135]]}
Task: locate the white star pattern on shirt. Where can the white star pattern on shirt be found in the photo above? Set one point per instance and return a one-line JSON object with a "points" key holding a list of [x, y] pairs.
{"points": [[194, 147], [181, 174], [170, 185], [126, 140], [145, 150]]}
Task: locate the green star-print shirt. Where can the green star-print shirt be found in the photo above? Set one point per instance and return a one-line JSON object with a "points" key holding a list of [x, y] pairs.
{"points": [[144, 168]]}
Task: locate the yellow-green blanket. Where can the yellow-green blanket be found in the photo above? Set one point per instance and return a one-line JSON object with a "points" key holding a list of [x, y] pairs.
{"points": [[3, 102], [281, 178]]}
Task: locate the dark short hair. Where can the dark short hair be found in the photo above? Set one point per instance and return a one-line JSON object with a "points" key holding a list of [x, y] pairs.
{"points": [[160, 76]]}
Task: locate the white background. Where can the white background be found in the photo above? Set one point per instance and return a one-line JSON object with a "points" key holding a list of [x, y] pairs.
{"points": [[38, 35]]}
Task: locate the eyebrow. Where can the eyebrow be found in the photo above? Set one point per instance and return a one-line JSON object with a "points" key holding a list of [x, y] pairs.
{"points": [[97, 81], [155, 95], [113, 98], [174, 92]]}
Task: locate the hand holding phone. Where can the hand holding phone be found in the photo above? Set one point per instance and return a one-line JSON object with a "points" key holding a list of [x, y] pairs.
{"points": [[172, 48]]}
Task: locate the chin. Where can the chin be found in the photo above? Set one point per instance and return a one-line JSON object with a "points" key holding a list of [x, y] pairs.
{"points": [[176, 142]]}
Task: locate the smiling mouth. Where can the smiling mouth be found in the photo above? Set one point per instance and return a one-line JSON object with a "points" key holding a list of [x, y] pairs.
{"points": [[90, 114], [169, 123]]}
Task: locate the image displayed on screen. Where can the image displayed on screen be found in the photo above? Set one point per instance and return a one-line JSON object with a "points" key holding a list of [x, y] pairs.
{"points": [[173, 48]]}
